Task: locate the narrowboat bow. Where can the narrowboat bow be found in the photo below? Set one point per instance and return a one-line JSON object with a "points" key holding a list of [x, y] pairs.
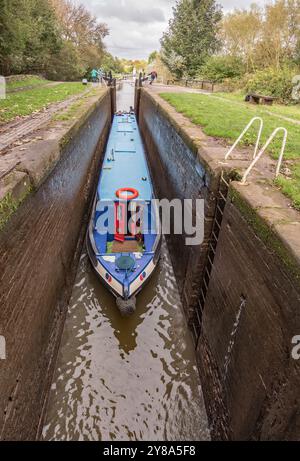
{"points": [[125, 253]]}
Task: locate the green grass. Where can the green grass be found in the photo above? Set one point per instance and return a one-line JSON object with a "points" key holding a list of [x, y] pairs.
{"points": [[225, 118], [291, 187], [72, 110], [7, 208], [26, 102], [291, 111], [27, 81]]}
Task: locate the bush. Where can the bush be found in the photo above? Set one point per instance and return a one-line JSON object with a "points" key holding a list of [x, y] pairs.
{"points": [[273, 82], [219, 68]]}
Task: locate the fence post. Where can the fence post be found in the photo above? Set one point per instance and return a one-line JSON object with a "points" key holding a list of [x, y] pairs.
{"points": [[137, 96], [113, 96], [2, 87]]}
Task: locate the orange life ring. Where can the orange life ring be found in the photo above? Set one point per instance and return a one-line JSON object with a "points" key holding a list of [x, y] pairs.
{"points": [[134, 193]]}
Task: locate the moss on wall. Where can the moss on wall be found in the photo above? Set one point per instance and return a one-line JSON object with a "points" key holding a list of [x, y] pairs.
{"points": [[266, 233]]}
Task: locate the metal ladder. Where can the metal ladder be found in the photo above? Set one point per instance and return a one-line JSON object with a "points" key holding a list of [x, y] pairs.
{"points": [[220, 207], [257, 156], [212, 248]]}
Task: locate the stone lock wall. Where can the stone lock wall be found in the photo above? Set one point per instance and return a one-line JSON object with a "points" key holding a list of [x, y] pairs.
{"points": [[251, 312], [251, 382], [39, 251], [179, 172]]}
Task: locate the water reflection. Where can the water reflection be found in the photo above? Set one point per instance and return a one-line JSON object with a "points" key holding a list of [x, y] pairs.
{"points": [[126, 379]]}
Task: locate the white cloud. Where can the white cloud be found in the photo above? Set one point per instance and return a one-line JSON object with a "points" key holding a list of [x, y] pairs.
{"points": [[136, 26]]}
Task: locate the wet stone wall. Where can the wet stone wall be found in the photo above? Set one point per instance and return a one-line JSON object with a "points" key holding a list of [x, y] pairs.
{"points": [[178, 172], [249, 376], [39, 251], [251, 381]]}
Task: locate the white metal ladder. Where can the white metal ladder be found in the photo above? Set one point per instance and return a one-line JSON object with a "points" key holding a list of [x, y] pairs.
{"points": [[261, 125], [258, 155]]}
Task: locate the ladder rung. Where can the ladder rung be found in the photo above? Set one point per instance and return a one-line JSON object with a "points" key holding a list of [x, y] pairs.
{"points": [[203, 295], [211, 262], [198, 317], [223, 197], [219, 225], [213, 250], [220, 210], [214, 235]]}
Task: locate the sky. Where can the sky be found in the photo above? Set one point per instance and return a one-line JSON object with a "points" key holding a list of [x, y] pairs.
{"points": [[136, 26]]}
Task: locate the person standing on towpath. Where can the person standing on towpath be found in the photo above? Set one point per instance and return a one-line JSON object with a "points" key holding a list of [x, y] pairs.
{"points": [[94, 75], [153, 75]]}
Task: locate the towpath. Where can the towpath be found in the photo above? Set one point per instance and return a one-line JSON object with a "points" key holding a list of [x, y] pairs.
{"points": [[20, 131]]}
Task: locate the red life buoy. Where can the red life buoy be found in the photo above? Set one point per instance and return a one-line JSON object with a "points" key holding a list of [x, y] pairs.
{"points": [[120, 193]]}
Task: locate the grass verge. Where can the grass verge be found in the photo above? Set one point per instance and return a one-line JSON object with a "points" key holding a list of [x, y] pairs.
{"points": [[26, 102], [25, 82], [223, 117]]}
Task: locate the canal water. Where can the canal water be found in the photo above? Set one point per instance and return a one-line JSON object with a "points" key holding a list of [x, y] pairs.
{"points": [[126, 379]]}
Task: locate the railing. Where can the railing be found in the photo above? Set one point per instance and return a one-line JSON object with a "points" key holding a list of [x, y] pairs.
{"points": [[243, 134], [193, 83], [257, 156]]}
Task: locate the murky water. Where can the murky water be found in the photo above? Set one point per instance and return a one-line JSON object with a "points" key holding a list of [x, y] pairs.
{"points": [[126, 378], [125, 97]]}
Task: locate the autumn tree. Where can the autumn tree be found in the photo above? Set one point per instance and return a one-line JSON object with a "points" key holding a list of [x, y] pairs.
{"points": [[240, 33], [82, 33], [263, 37], [280, 33]]}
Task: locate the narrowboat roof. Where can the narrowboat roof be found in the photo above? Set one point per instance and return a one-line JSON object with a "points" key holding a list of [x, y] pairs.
{"points": [[125, 164]]}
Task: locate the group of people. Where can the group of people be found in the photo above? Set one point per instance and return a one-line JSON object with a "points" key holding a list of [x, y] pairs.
{"points": [[98, 75]]}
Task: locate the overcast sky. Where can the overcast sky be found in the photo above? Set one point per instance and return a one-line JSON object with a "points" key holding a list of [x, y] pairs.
{"points": [[136, 26]]}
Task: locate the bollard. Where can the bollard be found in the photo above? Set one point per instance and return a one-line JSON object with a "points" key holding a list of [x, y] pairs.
{"points": [[2, 87]]}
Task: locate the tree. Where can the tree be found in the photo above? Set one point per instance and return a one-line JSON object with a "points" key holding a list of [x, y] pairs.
{"points": [[192, 36], [218, 68], [54, 37], [152, 57], [111, 63], [29, 35], [65, 65], [83, 30], [280, 33], [240, 32], [263, 38]]}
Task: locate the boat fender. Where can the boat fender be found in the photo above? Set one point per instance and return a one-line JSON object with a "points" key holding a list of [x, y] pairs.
{"points": [[126, 307]]}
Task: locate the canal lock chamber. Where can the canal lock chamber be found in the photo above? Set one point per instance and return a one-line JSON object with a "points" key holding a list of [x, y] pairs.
{"points": [[228, 288]]}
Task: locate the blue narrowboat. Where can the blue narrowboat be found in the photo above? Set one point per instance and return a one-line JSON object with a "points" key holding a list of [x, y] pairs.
{"points": [[124, 237]]}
